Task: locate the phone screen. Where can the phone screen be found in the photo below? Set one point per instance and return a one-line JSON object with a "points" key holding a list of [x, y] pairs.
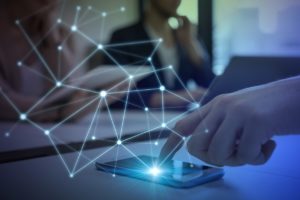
{"points": [[173, 173]]}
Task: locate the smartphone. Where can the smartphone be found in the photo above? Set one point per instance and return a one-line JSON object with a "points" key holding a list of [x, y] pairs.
{"points": [[173, 173]]}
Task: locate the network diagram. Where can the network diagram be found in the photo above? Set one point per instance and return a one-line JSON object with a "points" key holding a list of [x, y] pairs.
{"points": [[97, 97]]}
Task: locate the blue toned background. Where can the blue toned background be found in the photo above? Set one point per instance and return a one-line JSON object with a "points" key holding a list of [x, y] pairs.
{"points": [[255, 27]]}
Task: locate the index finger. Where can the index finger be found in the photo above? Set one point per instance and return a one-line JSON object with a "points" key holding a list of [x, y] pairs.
{"points": [[183, 128]]}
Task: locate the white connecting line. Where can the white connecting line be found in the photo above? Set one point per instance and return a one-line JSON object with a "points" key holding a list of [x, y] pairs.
{"points": [[78, 22]]}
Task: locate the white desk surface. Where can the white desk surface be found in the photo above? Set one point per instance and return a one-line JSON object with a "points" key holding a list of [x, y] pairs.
{"points": [[46, 178]]}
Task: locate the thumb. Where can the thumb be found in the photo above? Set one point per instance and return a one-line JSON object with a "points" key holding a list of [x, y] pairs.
{"points": [[267, 150]]}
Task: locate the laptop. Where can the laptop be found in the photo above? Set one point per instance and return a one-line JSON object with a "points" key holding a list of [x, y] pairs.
{"points": [[243, 72]]}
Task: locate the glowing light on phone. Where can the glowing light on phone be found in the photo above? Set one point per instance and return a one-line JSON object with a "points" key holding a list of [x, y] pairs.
{"points": [[154, 171]]}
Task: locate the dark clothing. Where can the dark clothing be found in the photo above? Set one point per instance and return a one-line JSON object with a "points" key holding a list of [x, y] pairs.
{"points": [[137, 54]]}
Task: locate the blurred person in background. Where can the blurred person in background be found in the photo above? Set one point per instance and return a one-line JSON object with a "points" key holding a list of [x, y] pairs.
{"points": [[180, 49], [24, 77]]}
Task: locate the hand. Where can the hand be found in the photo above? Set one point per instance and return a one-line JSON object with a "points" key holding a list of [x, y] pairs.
{"points": [[81, 99], [189, 41], [236, 129], [118, 92], [184, 32]]}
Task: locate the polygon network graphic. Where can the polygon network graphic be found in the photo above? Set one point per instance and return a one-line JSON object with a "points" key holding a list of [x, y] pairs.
{"points": [[96, 102]]}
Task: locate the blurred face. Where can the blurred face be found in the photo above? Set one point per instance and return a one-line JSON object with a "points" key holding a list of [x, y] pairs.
{"points": [[37, 4], [167, 8]]}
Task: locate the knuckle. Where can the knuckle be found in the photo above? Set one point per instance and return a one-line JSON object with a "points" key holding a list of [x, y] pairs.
{"points": [[241, 109], [223, 100]]}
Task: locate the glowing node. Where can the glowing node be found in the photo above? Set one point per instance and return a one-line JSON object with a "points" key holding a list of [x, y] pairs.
{"points": [[183, 138], [59, 21], [90, 7], [78, 8], [162, 88], [23, 117], [59, 48], [20, 64], [17, 22], [74, 28], [191, 165], [119, 142], [163, 125], [130, 77], [47, 132], [154, 171], [103, 94], [171, 67], [104, 14], [197, 105], [122, 9], [160, 40], [114, 175], [146, 109], [100, 46], [71, 175], [206, 131], [93, 137], [149, 59], [58, 84], [156, 143], [7, 134]]}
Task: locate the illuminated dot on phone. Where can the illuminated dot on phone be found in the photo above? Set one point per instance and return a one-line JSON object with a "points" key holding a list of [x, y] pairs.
{"points": [[93, 138], [58, 84], [162, 88], [100, 46], [114, 175], [119, 142], [149, 59], [104, 14], [154, 171], [47, 132], [74, 28], [59, 21], [103, 94], [146, 109], [122, 9], [156, 143], [23, 117], [163, 125], [19, 64]]}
